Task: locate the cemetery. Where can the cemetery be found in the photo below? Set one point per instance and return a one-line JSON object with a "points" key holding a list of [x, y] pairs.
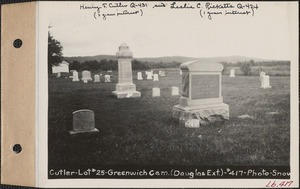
{"points": [[192, 115]]}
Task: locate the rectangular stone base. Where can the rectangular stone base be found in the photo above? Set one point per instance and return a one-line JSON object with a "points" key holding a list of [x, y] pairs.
{"points": [[73, 132], [206, 114], [126, 94]]}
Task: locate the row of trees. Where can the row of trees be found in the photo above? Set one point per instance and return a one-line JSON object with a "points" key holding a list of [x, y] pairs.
{"points": [[113, 65]]}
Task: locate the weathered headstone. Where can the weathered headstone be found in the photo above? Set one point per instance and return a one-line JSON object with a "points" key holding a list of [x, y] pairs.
{"points": [[58, 75], [86, 76], [261, 74], [155, 92], [231, 73], [71, 74], [159, 73], [125, 87], [96, 78], [265, 82], [201, 93], [163, 74], [175, 91], [107, 79], [180, 72], [75, 76], [155, 77], [139, 76], [149, 76], [83, 122]]}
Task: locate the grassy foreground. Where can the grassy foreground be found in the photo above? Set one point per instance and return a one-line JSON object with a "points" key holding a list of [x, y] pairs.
{"points": [[141, 131]]}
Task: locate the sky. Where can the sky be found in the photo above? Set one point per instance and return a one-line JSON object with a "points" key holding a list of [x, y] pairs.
{"points": [[169, 32]]}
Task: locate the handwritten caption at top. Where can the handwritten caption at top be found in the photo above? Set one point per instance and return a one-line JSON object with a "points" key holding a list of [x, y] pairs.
{"points": [[205, 10]]}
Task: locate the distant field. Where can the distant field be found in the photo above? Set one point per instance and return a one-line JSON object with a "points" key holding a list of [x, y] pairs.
{"points": [[141, 131], [282, 70]]}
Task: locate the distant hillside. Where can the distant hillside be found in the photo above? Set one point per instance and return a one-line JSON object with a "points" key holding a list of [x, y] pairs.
{"points": [[167, 59]]}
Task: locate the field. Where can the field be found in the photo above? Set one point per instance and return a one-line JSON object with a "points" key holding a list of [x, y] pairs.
{"points": [[141, 131]]}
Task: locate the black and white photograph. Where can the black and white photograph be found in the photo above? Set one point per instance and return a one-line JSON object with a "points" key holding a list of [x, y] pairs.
{"points": [[168, 90]]}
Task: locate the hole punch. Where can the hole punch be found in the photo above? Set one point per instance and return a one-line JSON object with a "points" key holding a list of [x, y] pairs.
{"points": [[17, 148], [18, 43]]}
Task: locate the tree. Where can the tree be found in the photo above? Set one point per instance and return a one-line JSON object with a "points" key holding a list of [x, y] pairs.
{"points": [[75, 65], [245, 67], [55, 55]]}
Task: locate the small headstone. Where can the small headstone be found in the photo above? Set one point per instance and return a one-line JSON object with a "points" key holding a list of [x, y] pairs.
{"points": [[139, 76], [159, 73], [149, 76], [86, 76], [58, 75], [265, 82], [261, 74], [109, 71], [231, 73], [155, 77], [96, 78], [75, 76], [180, 72], [163, 74], [155, 92], [175, 91], [107, 79], [83, 122]]}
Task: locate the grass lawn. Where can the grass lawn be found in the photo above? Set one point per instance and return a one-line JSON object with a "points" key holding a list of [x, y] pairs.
{"points": [[141, 131]]}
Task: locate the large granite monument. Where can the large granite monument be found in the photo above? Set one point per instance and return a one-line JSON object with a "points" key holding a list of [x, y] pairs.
{"points": [[125, 87], [201, 96]]}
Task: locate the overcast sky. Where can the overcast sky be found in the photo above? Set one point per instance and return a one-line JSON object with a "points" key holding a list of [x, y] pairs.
{"points": [[167, 32]]}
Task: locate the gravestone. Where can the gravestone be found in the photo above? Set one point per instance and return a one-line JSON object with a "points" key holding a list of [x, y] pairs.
{"points": [[155, 77], [71, 74], [265, 82], [58, 75], [125, 87], [159, 73], [107, 79], [163, 74], [261, 74], [109, 71], [175, 91], [139, 76], [201, 96], [83, 122], [180, 72], [231, 73], [86, 76], [75, 76], [96, 78], [149, 76], [155, 92]]}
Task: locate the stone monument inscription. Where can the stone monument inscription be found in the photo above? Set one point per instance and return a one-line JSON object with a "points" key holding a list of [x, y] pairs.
{"points": [[205, 86]]}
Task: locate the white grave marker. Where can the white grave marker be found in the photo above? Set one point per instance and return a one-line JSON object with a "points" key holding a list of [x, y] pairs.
{"points": [[75, 76], [58, 75], [175, 91], [155, 77], [265, 82], [86, 76], [96, 78], [231, 73], [149, 76], [155, 92], [139, 76], [107, 79]]}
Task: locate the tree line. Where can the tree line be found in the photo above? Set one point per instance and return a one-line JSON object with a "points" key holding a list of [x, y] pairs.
{"points": [[113, 65]]}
